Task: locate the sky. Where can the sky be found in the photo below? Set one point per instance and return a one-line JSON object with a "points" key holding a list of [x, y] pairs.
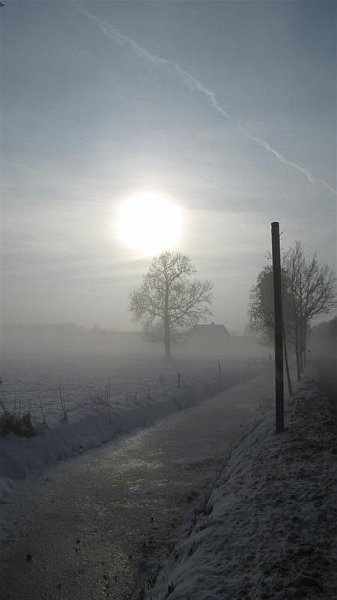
{"points": [[225, 109]]}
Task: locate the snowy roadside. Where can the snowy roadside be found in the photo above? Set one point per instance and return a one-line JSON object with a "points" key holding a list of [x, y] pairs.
{"points": [[92, 425], [269, 529]]}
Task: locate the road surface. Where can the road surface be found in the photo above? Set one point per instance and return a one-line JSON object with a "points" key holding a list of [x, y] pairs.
{"points": [[82, 529]]}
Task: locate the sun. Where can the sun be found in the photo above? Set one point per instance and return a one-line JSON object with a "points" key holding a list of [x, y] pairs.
{"points": [[149, 223]]}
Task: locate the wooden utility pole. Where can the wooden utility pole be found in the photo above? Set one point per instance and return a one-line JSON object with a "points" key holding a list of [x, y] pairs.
{"points": [[278, 321]]}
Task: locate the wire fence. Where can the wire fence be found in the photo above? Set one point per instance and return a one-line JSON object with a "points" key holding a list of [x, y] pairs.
{"points": [[47, 402]]}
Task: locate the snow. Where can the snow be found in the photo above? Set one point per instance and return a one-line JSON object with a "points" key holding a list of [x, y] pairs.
{"points": [[106, 388], [269, 528]]}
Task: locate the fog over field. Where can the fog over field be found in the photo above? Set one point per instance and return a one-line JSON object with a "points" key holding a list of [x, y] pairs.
{"points": [[50, 340], [168, 246], [40, 359], [82, 387]]}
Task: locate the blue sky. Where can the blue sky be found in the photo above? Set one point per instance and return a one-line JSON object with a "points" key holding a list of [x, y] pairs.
{"points": [[91, 115]]}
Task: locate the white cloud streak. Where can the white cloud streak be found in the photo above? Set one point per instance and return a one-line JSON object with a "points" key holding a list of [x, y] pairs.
{"points": [[196, 85]]}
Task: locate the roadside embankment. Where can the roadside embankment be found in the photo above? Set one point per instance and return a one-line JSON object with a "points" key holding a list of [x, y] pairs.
{"points": [[269, 529]]}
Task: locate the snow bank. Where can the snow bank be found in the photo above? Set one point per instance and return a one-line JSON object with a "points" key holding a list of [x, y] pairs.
{"points": [[269, 528], [104, 415]]}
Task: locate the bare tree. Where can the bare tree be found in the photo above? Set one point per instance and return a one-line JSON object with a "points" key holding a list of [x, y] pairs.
{"points": [[308, 291], [261, 312], [313, 292], [168, 301], [261, 307]]}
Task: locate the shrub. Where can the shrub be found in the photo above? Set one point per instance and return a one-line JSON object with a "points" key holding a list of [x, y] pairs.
{"points": [[12, 423]]}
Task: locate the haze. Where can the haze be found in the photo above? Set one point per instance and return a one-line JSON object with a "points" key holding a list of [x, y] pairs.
{"points": [[227, 109], [190, 452]]}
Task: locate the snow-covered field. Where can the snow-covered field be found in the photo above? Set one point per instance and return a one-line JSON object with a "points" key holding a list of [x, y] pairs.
{"points": [[83, 389], [269, 529]]}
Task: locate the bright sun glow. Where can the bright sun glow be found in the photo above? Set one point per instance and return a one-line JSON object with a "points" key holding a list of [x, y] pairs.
{"points": [[149, 223]]}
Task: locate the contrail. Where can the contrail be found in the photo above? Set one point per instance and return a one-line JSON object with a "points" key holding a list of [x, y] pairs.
{"points": [[263, 144], [196, 85]]}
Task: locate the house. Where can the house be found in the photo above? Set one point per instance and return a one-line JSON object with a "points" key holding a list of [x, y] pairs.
{"points": [[210, 333]]}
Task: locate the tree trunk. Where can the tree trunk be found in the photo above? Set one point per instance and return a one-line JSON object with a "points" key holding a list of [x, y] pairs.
{"points": [[301, 346], [167, 332], [301, 351], [305, 330], [167, 339], [297, 350], [285, 348]]}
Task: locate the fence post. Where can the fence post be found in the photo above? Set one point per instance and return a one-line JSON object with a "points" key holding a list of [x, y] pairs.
{"points": [[279, 391]]}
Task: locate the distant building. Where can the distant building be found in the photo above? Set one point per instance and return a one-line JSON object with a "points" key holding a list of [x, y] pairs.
{"points": [[212, 333]]}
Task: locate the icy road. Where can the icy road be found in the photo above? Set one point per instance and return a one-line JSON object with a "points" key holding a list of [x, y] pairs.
{"points": [[81, 531]]}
